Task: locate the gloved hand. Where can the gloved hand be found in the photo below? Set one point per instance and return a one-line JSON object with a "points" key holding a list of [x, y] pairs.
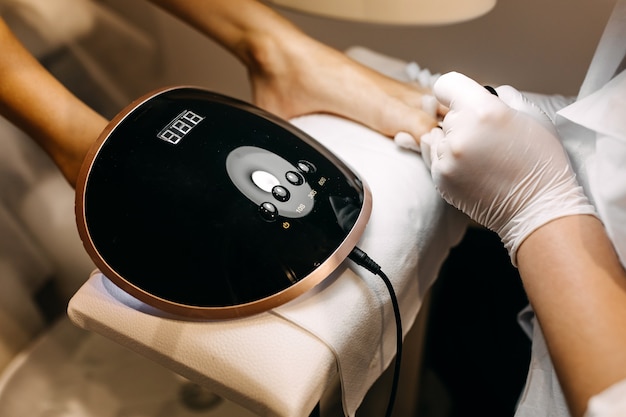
{"points": [[500, 161]]}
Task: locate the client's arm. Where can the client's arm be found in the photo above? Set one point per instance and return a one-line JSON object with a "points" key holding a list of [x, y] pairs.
{"points": [[292, 74], [33, 100]]}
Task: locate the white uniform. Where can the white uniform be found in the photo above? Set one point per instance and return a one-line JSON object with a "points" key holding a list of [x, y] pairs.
{"points": [[593, 129]]}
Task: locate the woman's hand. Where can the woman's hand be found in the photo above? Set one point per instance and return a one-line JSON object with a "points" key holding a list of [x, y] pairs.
{"points": [[292, 74], [301, 76]]}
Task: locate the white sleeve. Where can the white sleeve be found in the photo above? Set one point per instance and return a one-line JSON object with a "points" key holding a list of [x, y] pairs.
{"points": [[550, 104], [609, 403]]}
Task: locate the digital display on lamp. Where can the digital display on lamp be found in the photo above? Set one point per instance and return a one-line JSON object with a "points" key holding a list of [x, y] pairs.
{"points": [[180, 127]]}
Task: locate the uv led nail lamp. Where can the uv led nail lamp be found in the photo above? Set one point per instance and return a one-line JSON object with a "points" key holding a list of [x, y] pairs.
{"points": [[209, 207]]}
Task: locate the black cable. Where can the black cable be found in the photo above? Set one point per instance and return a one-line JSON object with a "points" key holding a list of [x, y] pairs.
{"points": [[361, 258]]}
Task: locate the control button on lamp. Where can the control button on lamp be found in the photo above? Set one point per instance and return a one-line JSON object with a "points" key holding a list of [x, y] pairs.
{"points": [[268, 211], [306, 167], [280, 193], [294, 178]]}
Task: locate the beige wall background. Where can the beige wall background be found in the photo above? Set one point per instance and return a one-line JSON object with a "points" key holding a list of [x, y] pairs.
{"points": [[536, 45]]}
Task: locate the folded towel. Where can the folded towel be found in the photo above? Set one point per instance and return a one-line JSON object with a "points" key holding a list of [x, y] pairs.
{"points": [[408, 235]]}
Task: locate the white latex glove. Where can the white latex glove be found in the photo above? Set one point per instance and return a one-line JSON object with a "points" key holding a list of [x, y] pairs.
{"points": [[499, 160]]}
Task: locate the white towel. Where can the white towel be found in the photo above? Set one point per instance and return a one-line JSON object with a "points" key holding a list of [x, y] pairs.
{"points": [[408, 235]]}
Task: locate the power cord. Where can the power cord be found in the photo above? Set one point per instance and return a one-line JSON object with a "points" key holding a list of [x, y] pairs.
{"points": [[361, 258]]}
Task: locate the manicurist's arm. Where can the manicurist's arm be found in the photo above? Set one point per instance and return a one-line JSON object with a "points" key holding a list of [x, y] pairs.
{"points": [[292, 74], [499, 160], [577, 288], [33, 100]]}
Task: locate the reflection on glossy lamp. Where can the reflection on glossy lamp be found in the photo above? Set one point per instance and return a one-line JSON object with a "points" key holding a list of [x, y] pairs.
{"points": [[398, 12]]}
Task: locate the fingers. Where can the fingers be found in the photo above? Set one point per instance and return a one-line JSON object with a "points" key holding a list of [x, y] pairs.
{"points": [[425, 145], [511, 97], [452, 91], [407, 141], [430, 105], [457, 90], [516, 100], [430, 146], [431, 109]]}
